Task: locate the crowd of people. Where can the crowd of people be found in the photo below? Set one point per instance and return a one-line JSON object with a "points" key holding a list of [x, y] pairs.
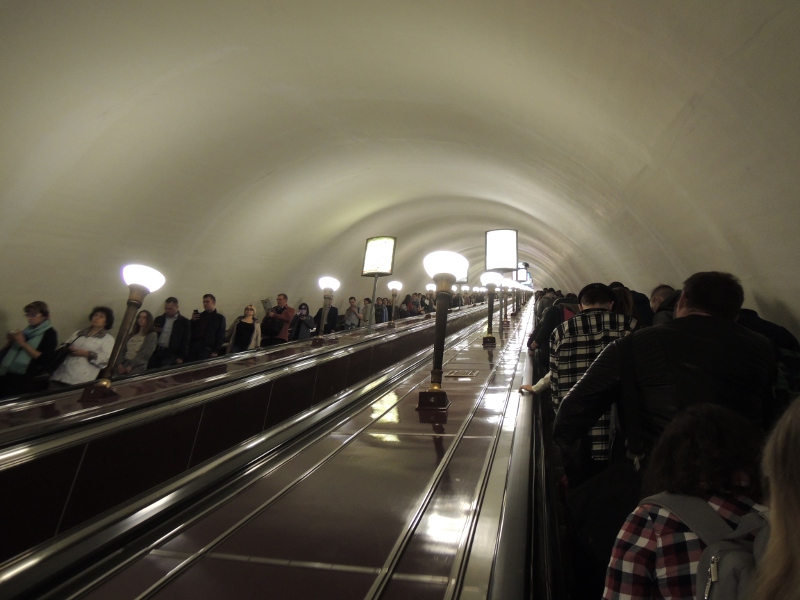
{"points": [[32, 359], [659, 408]]}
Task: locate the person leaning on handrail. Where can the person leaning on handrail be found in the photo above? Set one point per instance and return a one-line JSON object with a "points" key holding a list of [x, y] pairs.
{"points": [[24, 358]]}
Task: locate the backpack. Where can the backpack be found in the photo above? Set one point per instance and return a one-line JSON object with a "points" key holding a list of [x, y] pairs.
{"points": [[727, 567]]}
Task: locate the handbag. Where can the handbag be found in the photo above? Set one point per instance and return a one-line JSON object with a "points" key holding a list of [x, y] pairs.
{"points": [[59, 356]]}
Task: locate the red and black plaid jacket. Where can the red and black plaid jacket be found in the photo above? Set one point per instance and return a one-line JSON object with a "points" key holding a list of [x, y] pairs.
{"points": [[656, 555]]}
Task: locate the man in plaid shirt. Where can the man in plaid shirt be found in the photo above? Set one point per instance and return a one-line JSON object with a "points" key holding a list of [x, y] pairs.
{"points": [[574, 345]]}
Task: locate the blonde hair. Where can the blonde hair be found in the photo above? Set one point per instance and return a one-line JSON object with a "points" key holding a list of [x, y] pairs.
{"points": [[779, 570]]}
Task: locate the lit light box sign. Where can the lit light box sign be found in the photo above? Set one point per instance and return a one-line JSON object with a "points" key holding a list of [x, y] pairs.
{"points": [[501, 250], [379, 256]]}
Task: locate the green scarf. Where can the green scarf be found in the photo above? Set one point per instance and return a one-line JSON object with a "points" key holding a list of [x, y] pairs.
{"points": [[16, 359]]}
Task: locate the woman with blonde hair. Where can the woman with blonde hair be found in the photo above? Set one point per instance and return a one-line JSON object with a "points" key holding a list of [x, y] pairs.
{"points": [[244, 333], [779, 570]]}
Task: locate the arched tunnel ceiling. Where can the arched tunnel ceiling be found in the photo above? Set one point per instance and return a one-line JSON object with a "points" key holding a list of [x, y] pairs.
{"points": [[245, 148]]}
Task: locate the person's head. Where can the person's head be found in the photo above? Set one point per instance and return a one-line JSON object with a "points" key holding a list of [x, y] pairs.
{"points": [[711, 293], [303, 309], [282, 299], [779, 570], [706, 449], [102, 317], [378, 301], [36, 312], [386, 301], [249, 311], [407, 299], [209, 302], [171, 306], [660, 293], [352, 300], [596, 295], [367, 301], [143, 323], [623, 301]]}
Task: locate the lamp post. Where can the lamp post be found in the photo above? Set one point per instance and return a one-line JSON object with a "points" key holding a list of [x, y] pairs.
{"points": [[378, 262], [490, 279], [141, 280], [395, 286], [445, 268], [328, 285], [501, 256], [508, 284]]}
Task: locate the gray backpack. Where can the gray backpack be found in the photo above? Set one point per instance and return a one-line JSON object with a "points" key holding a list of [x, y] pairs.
{"points": [[727, 567]]}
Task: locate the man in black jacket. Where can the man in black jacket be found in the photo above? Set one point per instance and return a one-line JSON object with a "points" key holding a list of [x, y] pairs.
{"points": [[208, 331], [703, 355], [173, 331]]}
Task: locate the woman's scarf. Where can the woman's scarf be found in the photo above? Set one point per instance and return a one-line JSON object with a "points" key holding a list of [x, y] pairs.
{"points": [[16, 359]]}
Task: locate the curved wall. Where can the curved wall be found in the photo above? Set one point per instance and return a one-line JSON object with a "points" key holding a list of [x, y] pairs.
{"points": [[249, 147]]}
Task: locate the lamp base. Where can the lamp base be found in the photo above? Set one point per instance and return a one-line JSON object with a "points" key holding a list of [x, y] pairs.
{"points": [[317, 341], [99, 391], [506, 324], [435, 400], [489, 341], [427, 315], [391, 325]]}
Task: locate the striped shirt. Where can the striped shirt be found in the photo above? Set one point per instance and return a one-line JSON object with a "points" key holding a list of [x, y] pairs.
{"points": [[574, 345], [656, 554]]}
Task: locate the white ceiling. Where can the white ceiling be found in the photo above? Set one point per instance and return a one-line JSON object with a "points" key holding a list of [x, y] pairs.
{"points": [[246, 148]]}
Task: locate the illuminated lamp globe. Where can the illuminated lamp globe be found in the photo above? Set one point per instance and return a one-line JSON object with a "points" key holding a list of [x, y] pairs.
{"points": [[464, 288], [329, 283], [490, 277], [455, 288], [144, 276], [475, 288], [431, 287], [395, 286], [444, 262]]}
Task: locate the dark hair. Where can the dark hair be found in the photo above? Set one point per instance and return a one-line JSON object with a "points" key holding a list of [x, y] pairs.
{"points": [[38, 306], [213, 299], [351, 298], [595, 293], [147, 328], [615, 284], [107, 312], [367, 301], [719, 294], [701, 449], [302, 304], [660, 288], [407, 299], [285, 297], [171, 300], [623, 301]]}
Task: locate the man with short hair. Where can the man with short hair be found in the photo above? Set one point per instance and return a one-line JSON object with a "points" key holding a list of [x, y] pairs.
{"points": [[208, 331], [275, 328], [352, 316], [574, 344], [174, 336], [703, 355], [659, 294]]}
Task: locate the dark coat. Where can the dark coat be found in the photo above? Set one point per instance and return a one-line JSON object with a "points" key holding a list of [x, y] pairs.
{"points": [[180, 336], [214, 335], [687, 361], [330, 325]]}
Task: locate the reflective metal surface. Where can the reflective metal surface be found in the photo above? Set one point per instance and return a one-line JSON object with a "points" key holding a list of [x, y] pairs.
{"points": [[385, 489]]}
